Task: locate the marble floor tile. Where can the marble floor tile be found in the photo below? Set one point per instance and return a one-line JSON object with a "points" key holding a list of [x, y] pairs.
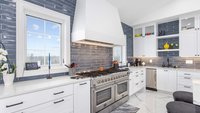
{"points": [[150, 101]]}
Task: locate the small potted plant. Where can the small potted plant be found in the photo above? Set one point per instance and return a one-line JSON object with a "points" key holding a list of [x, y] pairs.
{"points": [[7, 70]]}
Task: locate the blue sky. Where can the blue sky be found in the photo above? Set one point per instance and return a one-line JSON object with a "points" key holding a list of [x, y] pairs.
{"points": [[43, 34]]}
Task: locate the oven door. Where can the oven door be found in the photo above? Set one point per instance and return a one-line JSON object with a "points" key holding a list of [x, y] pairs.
{"points": [[103, 97], [121, 89]]}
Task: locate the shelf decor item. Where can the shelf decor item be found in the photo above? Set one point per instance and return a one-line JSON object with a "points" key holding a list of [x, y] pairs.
{"points": [[166, 46], [7, 69], [72, 69]]}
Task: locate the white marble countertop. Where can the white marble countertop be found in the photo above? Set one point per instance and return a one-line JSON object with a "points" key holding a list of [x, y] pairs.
{"points": [[20, 88], [178, 69]]}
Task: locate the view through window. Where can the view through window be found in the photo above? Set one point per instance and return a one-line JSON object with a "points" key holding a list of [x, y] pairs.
{"points": [[43, 37]]}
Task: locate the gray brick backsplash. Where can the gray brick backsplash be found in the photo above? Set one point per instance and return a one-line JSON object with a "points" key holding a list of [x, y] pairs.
{"points": [[175, 61]]}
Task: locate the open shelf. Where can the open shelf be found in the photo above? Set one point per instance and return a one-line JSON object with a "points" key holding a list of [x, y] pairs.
{"points": [[168, 36], [149, 30], [138, 32], [167, 50]]}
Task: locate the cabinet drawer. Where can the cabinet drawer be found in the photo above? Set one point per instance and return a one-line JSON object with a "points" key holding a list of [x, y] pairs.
{"points": [[16, 103], [185, 80], [185, 74], [187, 88], [61, 91], [62, 105]]}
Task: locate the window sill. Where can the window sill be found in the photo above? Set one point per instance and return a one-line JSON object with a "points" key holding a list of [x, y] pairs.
{"points": [[43, 71]]}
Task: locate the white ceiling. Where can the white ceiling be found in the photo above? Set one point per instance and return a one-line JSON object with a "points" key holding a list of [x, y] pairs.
{"points": [[133, 12]]}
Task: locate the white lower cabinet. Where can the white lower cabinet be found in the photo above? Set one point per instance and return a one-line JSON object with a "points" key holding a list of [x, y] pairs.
{"points": [[185, 80], [72, 98], [136, 80], [62, 105], [82, 97], [166, 80]]}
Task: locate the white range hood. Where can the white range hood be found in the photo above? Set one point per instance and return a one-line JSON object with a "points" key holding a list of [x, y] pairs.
{"points": [[97, 22]]}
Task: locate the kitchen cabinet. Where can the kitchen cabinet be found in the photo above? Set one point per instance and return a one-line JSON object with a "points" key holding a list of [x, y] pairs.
{"points": [[190, 36], [196, 91], [166, 80], [145, 41], [82, 97], [62, 105], [136, 80], [59, 99], [184, 82]]}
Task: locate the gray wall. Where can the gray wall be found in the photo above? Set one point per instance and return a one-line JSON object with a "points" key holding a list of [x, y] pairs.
{"points": [[128, 31]]}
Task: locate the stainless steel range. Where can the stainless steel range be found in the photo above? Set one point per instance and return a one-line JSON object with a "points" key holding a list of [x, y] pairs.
{"points": [[109, 89]]}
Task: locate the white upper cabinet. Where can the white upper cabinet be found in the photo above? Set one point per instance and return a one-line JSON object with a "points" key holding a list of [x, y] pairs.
{"points": [[190, 36], [145, 41]]}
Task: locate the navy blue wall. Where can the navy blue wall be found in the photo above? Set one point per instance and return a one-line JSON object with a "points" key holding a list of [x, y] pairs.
{"points": [[8, 23], [128, 31]]}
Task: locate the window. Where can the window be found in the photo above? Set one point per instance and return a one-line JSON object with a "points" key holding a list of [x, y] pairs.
{"points": [[119, 54], [43, 37], [41, 32]]}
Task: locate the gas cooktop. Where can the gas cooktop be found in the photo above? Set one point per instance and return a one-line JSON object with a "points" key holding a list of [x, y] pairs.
{"points": [[94, 74]]}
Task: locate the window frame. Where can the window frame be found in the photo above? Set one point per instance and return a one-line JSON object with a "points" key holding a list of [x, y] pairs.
{"points": [[26, 8]]}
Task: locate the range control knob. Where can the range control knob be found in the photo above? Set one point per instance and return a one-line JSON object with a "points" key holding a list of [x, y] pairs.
{"points": [[106, 80]]}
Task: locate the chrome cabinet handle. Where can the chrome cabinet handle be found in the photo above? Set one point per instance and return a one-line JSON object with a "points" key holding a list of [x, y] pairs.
{"points": [[187, 77], [58, 93], [187, 74], [82, 84], [59, 101], [187, 87], [8, 106]]}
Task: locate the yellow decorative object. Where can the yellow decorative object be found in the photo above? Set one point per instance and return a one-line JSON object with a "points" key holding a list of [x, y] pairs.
{"points": [[166, 46]]}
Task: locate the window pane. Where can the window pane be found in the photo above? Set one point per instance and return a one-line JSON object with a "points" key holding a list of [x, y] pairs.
{"points": [[35, 24], [117, 53], [41, 43], [52, 28]]}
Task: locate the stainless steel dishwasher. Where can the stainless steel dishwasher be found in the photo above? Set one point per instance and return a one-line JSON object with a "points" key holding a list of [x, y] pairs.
{"points": [[151, 79]]}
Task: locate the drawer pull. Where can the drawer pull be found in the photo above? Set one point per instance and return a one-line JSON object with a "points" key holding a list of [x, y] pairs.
{"points": [[8, 106], [165, 70], [187, 74], [187, 77], [58, 93], [59, 101], [187, 87], [83, 83]]}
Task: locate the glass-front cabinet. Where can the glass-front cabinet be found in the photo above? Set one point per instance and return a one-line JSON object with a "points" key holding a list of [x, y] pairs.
{"points": [[188, 23], [144, 31], [138, 32], [190, 36]]}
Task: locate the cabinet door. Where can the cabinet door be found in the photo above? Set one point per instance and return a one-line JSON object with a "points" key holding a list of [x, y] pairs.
{"points": [[150, 46], [172, 81], [188, 43], [162, 79], [82, 97], [138, 47], [63, 105], [131, 84]]}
